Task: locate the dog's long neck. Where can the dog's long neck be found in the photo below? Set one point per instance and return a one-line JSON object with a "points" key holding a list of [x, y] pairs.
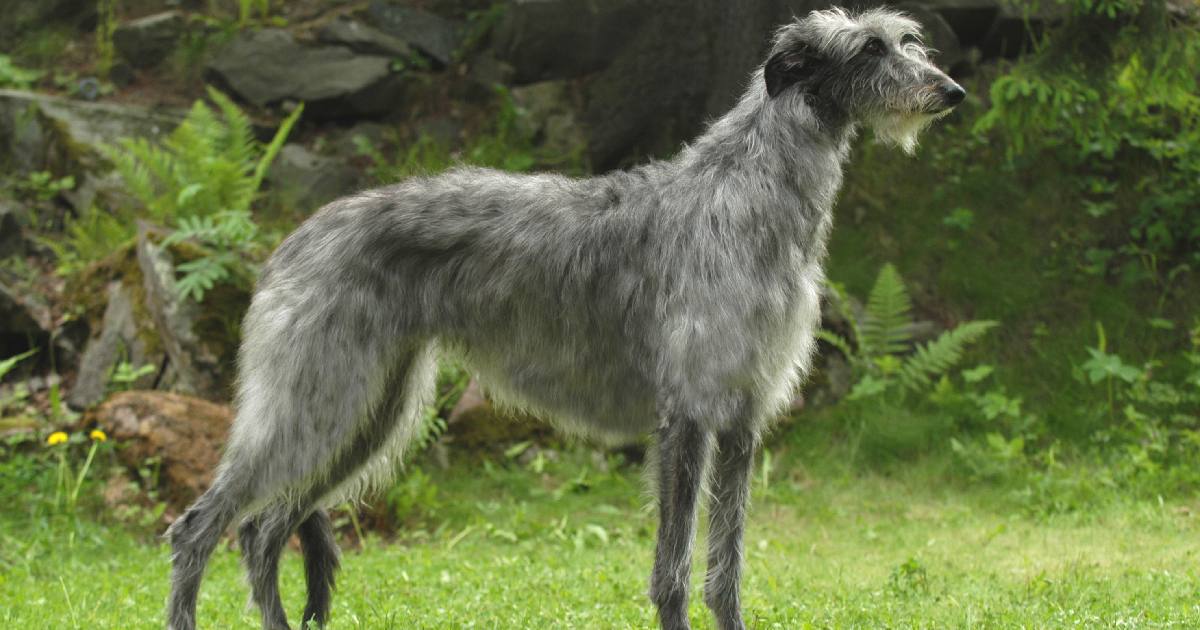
{"points": [[761, 133], [776, 158]]}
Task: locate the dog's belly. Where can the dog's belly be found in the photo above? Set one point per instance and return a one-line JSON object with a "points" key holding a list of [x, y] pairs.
{"points": [[578, 387]]}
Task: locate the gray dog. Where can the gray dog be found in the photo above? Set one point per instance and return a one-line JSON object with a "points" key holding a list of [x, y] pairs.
{"points": [[679, 298]]}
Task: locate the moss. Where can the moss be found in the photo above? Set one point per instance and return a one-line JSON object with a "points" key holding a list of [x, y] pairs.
{"points": [[218, 319]]}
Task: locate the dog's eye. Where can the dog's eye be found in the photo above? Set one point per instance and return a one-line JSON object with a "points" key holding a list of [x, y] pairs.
{"points": [[875, 47], [909, 38]]}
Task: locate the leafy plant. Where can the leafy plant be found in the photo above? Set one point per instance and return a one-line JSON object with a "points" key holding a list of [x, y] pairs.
{"points": [[204, 179], [507, 144], [1111, 90], [909, 577], [14, 76], [90, 236], [8, 364], [882, 354], [247, 8], [106, 26], [124, 375], [70, 482]]}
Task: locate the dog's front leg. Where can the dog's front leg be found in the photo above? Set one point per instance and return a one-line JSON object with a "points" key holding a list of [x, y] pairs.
{"points": [[731, 476], [682, 450]]}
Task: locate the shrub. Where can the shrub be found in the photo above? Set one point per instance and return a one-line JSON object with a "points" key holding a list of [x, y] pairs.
{"points": [[203, 180]]}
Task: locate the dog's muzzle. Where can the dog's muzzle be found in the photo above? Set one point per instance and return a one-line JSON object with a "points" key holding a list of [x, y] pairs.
{"points": [[952, 94]]}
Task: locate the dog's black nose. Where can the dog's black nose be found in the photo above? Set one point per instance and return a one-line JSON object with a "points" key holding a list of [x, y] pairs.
{"points": [[953, 93]]}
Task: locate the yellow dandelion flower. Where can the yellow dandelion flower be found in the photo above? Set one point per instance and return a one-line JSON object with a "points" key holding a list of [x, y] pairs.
{"points": [[58, 437], [98, 435]]}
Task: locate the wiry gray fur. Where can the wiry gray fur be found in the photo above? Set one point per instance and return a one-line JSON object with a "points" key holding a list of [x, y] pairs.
{"points": [[680, 298]]}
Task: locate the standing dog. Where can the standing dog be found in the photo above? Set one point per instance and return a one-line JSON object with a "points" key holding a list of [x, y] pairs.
{"points": [[679, 298]]}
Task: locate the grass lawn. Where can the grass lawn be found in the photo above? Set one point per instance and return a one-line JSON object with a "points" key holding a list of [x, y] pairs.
{"points": [[502, 546]]}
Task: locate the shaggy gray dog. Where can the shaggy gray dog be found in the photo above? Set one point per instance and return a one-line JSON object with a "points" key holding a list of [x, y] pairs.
{"points": [[679, 298]]}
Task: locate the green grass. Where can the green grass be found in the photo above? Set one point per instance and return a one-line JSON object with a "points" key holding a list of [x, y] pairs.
{"points": [[570, 547]]}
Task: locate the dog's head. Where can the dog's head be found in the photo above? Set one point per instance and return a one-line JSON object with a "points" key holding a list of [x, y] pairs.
{"points": [[870, 67]]}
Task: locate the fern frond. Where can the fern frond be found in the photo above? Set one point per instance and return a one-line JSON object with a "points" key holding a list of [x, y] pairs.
{"points": [[238, 143], [276, 144], [935, 358], [836, 341], [200, 275], [887, 322]]}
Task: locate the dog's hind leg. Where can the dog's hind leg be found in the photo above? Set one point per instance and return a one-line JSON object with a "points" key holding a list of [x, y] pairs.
{"points": [[320, 564], [386, 430], [194, 536], [682, 452], [731, 474], [263, 537]]}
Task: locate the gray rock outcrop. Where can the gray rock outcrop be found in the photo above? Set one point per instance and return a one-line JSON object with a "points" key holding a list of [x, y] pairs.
{"points": [[269, 66], [145, 42]]}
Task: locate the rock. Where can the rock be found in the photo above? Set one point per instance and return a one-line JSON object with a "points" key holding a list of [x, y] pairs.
{"points": [[117, 340], [937, 34], [971, 20], [474, 424], [306, 180], [145, 42], [660, 88], [12, 241], [485, 73], [332, 80], [342, 143], [25, 321], [22, 17], [559, 39], [553, 108], [1016, 29], [184, 434], [42, 132], [472, 399], [193, 366], [434, 36], [362, 38]]}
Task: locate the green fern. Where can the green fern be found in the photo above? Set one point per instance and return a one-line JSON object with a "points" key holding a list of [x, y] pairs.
{"points": [[886, 327], [935, 358], [204, 178], [881, 350], [91, 236]]}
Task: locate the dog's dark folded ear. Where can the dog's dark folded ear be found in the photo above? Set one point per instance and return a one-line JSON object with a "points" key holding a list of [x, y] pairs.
{"points": [[796, 65]]}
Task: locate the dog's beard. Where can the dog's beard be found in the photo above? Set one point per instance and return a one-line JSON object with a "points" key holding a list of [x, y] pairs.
{"points": [[901, 129]]}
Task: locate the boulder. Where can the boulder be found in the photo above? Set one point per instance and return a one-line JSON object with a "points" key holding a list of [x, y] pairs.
{"points": [[25, 321], [937, 34], [42, 132], [194, 366], [344, 31], [307, 181], [475, 425], [27, 16], [971, 20], [553, 108], [436, 37], [12, 242], [559, 39], [117, 340], [484, 74], [1017, 28], [333, 81], [184, 434], [145, 42], [660, 88]]}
